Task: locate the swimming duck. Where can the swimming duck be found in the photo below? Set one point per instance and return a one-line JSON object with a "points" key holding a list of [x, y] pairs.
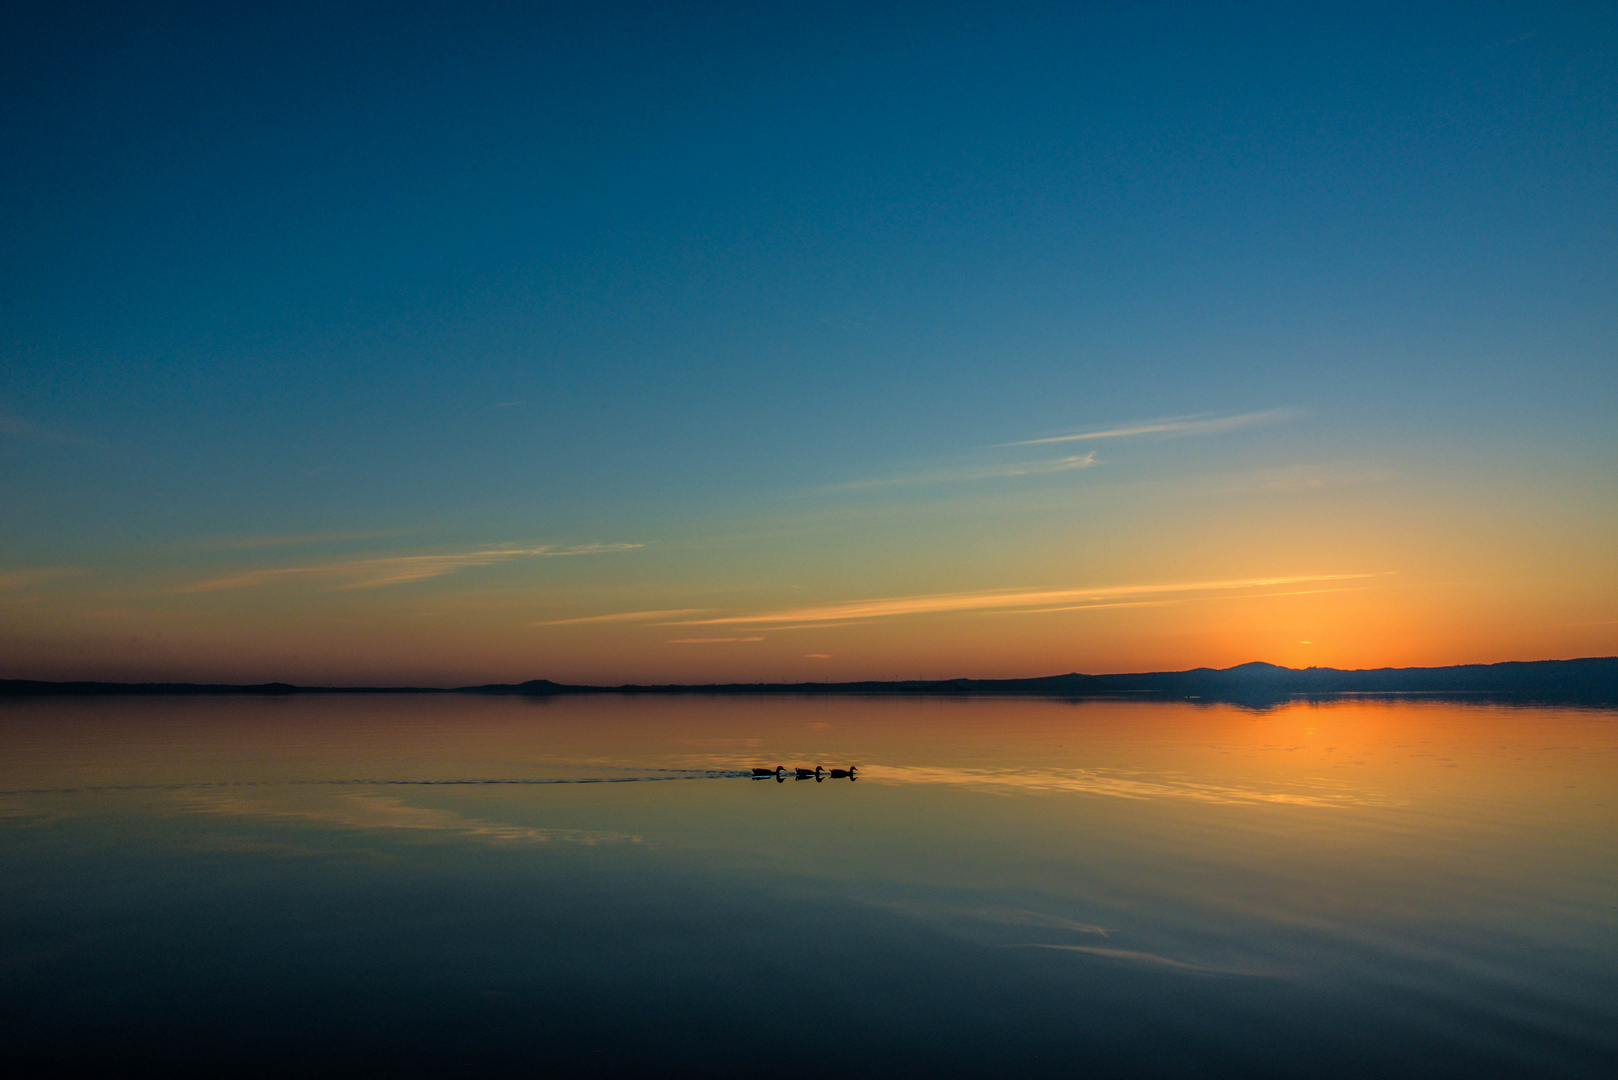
{"points": [[838, 774], [804, 774], [758, 771]]}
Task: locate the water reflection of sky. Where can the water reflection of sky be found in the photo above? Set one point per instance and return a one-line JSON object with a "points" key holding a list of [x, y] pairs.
{"points": [[430, 883]]}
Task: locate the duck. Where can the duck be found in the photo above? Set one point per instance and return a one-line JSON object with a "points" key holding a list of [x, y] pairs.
{"points": [[804, 774], [760, 771], [838, 774]]}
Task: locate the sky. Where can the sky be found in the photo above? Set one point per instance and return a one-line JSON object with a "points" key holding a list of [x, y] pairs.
{"points": [[441, 344]]}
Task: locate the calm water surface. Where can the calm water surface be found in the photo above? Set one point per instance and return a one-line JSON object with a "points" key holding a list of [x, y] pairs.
{"points": [[425, 885]]}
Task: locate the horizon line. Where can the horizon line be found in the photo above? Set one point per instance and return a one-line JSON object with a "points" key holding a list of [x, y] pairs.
{"points": [[1252, 672]]}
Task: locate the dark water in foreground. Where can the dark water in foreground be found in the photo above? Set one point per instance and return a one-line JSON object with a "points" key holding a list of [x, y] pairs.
{"points": [[384, 885]]}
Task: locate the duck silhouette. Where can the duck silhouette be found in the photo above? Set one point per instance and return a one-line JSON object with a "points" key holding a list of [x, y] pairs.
{"points": [[804, 774], [762, 772], [838, 774]]}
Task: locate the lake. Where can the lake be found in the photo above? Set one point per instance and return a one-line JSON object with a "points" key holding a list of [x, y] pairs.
{"points": [[592, 885]]}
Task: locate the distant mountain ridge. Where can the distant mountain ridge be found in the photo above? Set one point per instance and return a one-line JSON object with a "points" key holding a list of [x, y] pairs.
{"points": [[1591, 680]]}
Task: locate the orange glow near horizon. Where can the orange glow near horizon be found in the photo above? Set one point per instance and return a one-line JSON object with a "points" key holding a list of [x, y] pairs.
{"points": [[456, 640], [1041, 581]]}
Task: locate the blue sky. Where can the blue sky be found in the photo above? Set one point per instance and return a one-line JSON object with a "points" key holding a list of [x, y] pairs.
{"points": [[427, 280]]}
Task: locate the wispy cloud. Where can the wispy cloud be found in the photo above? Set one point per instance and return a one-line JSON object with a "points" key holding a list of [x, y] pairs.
{"points": [[16, 427], [1173, 427], [247, 543], [985, 472], [375, 573], [1029, 600], [623, 616], [1201, 424], [22, 579], [711, 640], [1091, 606]]}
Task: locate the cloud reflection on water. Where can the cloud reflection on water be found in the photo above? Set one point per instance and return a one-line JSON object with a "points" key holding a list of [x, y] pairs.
{"points": [[1385, 884], [381, 812], [1136, 957], [1010, 928], [1118, 785]]}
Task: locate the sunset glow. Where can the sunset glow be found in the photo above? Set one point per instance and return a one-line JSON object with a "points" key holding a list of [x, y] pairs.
{"points": [[708, 539], [738, 347]]}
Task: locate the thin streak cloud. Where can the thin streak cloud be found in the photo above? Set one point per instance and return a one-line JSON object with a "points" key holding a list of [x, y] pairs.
{"points": [[1091, 607], [395, 569], [623, 616], [711, 640], [1186, 600], [987, 472], [940, 603], [1177, 426]]}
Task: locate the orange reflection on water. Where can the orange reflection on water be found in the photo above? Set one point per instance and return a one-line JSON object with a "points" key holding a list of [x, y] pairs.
{"points": [[1353, 743], [1483, 761], [1210, 838]]}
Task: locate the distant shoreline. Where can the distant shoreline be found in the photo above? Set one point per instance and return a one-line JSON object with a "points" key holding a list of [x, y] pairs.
{"points": [[1591, 680]]}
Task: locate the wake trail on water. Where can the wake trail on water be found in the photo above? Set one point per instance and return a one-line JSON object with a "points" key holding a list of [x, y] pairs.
{"points": [[642, 776]]}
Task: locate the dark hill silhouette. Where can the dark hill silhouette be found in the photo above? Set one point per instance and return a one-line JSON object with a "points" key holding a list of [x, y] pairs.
{"points": [[1588, 681]]}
